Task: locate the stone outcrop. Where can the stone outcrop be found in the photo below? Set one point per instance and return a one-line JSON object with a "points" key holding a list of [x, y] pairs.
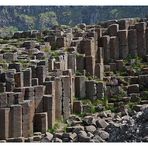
{"points": [[47, 77]]}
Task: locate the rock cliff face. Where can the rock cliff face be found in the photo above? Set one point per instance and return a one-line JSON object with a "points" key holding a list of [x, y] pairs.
{"points": [[87, 83]]}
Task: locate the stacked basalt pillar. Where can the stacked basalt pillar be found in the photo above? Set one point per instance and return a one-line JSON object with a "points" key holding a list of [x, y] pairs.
{"points": [[141, 38], [123, 43], [114, 48], [66, 96], [99, 65], [106, 48], [132, 42]]}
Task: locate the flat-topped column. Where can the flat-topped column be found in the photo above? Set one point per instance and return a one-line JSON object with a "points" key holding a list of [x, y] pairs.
{"points": [[4, 123], [15, 121], [123, 43], [141, 40]]}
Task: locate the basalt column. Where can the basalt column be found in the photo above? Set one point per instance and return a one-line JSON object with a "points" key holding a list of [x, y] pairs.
{"points": [[132, 42], [141, 40], [114, 48], [123, 43], [66, 97], [4, 123], [58, 98], [15, 121], [106, 49]]}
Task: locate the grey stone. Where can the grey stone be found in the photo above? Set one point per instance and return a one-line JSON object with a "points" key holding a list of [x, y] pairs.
{"points": [[66, 96], [58, 98], [77, 107], [18, 139], [90, 128], [47, 138], [80, 86], [101, 123], [15, 121], [134, 88], [2, 141], [80, 62], [40, 122], [113, 29], [57, 140], [90, 65], [82, 137], [106, 48], [90, 89], [49, 107], [103, 134], [89, 120], [114, 48], [78, 128], [97, 139], [132, 42], [4, 123], [37, 138], [73, 118]]}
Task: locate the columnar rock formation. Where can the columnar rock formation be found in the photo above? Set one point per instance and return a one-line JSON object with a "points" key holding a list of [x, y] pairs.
{"points": [[42, 72]]}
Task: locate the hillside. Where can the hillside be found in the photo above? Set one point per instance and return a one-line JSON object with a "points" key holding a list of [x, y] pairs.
{"points": [[41, 17]]}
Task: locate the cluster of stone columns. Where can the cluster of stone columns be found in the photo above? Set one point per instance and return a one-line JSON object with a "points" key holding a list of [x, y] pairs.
{"points": [[33, 98], [121, 40]]}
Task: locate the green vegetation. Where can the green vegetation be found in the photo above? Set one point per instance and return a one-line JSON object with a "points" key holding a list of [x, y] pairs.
{"points": [[46, 49], [25, 63], [6, 32], [54, 54], [29, 21], [78, 73], [4, 64], [135, 62], [47, 19], [130, 105], [37, 17], [55, 128], [59, 125]]}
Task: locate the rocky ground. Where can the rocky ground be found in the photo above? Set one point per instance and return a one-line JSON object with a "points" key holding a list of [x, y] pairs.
{"points": [[104, 127]]}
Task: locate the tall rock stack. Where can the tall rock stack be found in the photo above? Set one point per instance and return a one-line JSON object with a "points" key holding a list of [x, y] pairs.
{"points": [[106, 48], [4, 123], [114, 48], [41, 74], [80, 63], [72, 62], [132, 42], [66, 96], [27, 77], [123, 43], [58, 98], [15, 121], [49, 102], [87, 47], [27, 118], [18, 79], [141, 40], [80, 87], [90, 65], [49, 107], [99, 65], [38, 98], [146, 37], [40, 122], [90, 89]]}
